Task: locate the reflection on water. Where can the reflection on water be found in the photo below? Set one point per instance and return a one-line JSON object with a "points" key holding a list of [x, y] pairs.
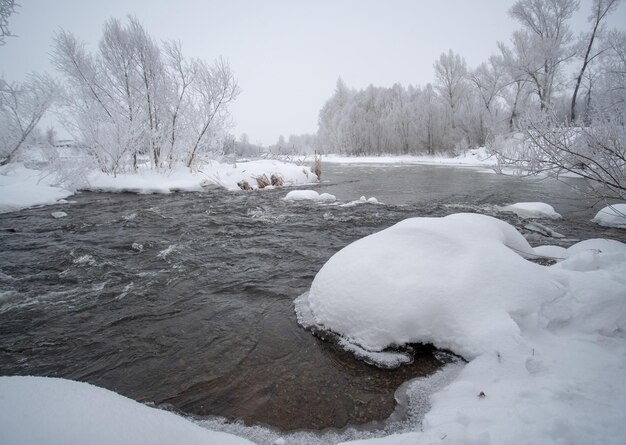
{"points": [[186, 300]]}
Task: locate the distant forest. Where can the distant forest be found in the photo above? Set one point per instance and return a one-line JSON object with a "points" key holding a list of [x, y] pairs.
{"points": [[544, 73]]}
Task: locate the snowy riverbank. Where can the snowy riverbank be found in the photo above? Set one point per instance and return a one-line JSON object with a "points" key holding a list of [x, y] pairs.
{"points": [[22, 187], [477, 157]]}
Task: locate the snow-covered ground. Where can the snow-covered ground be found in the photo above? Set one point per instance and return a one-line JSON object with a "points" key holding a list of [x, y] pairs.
{"points": [[612, 216], [212, 173], [546, 345], [22, 187], [41, 410], [473, 157]]}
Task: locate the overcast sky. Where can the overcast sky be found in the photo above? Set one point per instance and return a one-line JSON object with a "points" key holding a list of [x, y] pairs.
{"points": [[286, 55]]}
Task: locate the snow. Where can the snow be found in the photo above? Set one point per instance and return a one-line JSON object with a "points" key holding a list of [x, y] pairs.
{"points": [[309, 195], [471, 158], [554, 252], [532, 210], [37, 410], [58, 215], [228, 176], [212, 173], [361, 200], [545, 345], [22, 187], [612, 216]]}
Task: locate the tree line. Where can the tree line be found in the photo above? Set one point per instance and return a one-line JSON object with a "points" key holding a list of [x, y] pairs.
{"points": [[133, 102], [543, 73]]}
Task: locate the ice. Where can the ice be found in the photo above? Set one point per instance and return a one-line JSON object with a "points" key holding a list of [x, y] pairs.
{"points": [[546, 345], [309, 195], [58, 214], [532, 210], [38, 410], [612, 216], [384, 359]]}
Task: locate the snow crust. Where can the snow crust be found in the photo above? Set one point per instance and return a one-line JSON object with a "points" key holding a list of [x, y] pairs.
{"points": [[473, 157], [546, 345], [309, 195], [22, 187], [612, 216], [41, 410], [532, 210]]}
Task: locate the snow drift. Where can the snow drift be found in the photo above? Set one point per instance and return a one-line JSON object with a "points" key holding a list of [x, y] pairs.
{"points": [[38, 410]]}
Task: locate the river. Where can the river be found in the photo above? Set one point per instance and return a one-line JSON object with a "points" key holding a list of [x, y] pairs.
{"points": [[185, 301]]}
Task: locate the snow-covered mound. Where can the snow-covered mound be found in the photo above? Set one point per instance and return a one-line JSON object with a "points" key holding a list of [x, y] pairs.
{"points": [[22, 187], [532, 210], [309, 195], [546, 345], [38, 410], [431, 280], [612, 216]]}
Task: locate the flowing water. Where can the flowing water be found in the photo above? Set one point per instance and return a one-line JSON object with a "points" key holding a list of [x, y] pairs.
{"points": [[186, 300]]}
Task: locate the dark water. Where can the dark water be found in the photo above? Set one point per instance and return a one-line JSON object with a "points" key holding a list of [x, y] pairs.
{"points": [[186, 300]]}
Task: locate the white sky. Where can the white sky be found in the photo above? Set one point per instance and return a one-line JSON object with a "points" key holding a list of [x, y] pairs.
{"points": [[286, 55]]}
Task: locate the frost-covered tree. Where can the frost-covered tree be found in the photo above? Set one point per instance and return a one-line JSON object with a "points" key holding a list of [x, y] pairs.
{"points": [[22, 105], [451, 78], [330, 135], [611, 76], [543, 44], [489, 80], [7, 9], [587, 44], [135, 102], [215, 88]]}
